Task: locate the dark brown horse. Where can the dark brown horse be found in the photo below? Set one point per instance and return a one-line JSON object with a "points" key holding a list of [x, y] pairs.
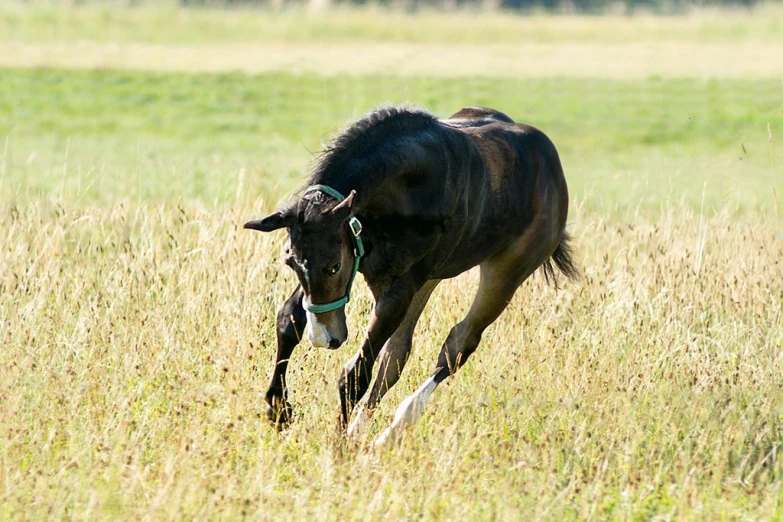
{"points": [[408, 201]]}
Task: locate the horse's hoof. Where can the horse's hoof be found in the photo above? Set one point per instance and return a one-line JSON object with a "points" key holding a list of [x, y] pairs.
{"points": [[280, 414]]}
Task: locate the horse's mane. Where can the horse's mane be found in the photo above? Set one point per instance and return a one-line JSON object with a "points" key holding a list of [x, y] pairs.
{"points": [[364, 136]]}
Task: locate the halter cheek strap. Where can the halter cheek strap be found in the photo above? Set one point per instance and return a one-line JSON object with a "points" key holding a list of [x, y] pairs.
{"points": [[358, 251]]}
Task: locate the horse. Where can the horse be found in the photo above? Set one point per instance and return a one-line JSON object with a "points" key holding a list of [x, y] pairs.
{"points": [[409, 200]]}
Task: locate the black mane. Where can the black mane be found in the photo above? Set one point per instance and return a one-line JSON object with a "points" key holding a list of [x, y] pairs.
{"points": [[363, 137]]}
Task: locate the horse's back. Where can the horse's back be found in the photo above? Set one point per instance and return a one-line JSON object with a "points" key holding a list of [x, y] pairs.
{"points": [[495, 134], [512, 150], [476, 117], [522, 175]]}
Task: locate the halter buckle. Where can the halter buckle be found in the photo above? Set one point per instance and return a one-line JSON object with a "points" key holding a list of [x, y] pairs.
{"points": [[355, 225]]}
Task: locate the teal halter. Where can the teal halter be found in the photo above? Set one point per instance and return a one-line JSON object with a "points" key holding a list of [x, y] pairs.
{"points": [[358, 251]]}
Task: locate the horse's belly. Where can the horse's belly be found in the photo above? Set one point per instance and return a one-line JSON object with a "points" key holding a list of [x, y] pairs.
{"points": [[465, 256]]}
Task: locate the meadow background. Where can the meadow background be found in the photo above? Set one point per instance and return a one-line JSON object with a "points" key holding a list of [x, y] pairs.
{"points": [[137, 317]]}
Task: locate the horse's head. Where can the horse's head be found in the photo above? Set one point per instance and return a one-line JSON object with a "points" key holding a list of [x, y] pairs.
{"points": [[321, 250]]}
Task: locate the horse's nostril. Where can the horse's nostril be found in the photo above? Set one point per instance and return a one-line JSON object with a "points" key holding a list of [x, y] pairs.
{"points": [[335, 343]]}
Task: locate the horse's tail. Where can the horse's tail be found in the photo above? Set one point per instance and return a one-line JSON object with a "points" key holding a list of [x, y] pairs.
{"points": [[563, 259]]}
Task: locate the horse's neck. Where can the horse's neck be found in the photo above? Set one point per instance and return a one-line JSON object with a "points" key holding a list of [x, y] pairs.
{"points": [[382, 176]]}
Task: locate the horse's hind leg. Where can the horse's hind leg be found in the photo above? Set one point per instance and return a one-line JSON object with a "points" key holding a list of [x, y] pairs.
{"points": [[393, 358], [501, 275]]}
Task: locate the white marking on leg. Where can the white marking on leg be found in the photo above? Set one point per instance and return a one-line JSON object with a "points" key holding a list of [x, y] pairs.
{"points": [[317, 333], [360, 422], [348, 366], [408, 412]]}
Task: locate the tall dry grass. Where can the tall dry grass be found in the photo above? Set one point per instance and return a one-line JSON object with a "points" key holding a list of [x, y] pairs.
{"points": [[136, 339]]}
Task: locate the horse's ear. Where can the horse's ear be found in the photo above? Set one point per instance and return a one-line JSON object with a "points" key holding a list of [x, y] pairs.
{"points": [[279, 219], [344, 207]]}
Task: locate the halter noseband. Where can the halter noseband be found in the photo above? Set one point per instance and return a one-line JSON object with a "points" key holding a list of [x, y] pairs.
{"points": [[358, 251]]}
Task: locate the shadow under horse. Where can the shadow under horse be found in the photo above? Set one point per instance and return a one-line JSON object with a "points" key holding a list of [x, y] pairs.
{"points": [[409, 200]]}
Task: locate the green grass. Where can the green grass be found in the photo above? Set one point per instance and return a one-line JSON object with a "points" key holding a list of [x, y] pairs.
{"points": [[624, 144]]}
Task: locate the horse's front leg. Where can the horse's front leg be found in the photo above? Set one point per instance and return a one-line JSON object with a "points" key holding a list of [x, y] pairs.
{"points": [[291, 322], [390, 309]]}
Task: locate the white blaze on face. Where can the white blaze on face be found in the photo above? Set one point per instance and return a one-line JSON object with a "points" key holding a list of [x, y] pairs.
{"points": [[317, 333]]}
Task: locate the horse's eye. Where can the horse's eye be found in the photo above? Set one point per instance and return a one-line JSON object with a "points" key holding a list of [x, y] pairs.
{"points": [[334, 269]]}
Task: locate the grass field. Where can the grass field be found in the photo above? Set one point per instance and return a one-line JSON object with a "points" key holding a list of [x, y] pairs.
{"points": [[136, 317], [641, 144]]}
